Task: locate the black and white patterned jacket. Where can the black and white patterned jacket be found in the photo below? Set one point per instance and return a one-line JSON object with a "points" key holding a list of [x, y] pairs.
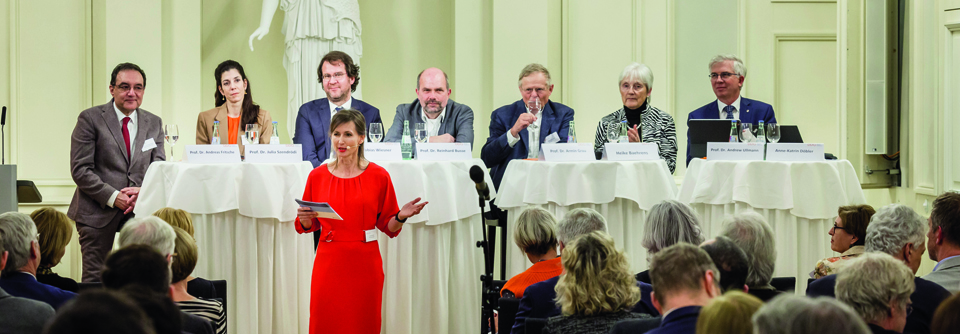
{"points": [[656, 126]]}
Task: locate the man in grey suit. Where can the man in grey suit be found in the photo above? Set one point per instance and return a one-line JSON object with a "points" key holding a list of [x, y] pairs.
{"points": [[944, 241], [111, 147], [20, 315], [444, 120]]}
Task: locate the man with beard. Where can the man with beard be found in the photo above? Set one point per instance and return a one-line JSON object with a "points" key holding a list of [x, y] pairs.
{"points": [[444, 120]]}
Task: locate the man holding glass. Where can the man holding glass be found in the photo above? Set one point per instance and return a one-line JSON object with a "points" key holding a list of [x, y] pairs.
{"points": [[339, 77], [727, 74], [433, 116], [110, 149]]}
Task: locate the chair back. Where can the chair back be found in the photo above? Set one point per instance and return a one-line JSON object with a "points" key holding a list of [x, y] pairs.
{"points": [[81, 286], [221, 287], [535, 325], [508, 313], [784, 284]]}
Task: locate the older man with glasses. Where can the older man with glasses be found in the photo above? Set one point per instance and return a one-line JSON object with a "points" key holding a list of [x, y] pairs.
{"points": [[18, 243]]}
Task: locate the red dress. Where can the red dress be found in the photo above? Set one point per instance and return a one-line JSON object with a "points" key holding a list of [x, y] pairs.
{"points": [[347, 285]]}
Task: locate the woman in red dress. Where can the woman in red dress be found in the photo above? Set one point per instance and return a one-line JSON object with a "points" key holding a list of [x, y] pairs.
{"points": [[347, 285]]}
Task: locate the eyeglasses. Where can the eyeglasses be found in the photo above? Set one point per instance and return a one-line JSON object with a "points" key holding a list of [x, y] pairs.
{"points": [[339, 76], [126, 88], [835, 227], [724, 75]]}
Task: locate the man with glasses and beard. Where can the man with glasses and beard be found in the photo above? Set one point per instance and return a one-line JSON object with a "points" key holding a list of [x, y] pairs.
{"points": [[444, 120]]}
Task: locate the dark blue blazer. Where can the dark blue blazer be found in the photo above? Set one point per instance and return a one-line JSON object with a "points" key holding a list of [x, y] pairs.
{"points": [[751, 111], [925, 298], [313, 127], [24, 285], [539, 301], [679, 321], [496, 153]]}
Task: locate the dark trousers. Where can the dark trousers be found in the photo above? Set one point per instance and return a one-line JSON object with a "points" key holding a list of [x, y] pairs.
{"points": [[96, 243]]}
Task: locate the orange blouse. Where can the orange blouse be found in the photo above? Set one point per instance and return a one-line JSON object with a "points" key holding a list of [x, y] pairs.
{"points": [[233, 126], [538, 272]]}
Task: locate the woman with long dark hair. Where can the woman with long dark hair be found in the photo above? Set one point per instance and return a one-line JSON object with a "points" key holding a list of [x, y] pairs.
{"points": [[235, 109]]}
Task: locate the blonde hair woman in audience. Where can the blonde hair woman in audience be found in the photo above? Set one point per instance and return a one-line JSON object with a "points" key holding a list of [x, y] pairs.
{"points": [[596, 289], [181, 266], [55, 230], [181, 219], [668, 223], [729, 313], [536, 236], [847, 236]]}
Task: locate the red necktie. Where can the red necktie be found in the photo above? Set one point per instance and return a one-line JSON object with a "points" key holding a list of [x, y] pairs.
{"points": [[126, 135]]}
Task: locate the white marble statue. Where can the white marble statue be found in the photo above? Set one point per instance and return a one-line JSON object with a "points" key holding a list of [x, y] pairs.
{"points": [[311, 29]]}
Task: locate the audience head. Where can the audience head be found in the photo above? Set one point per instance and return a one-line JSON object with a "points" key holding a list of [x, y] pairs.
{"points": [[683, 275], [899, 231], [536, 232], [945, 319], [157, 306], [944, 222], [792, 314], [127, 84], [136, 264], [183, 264], [730, 260], [433, 90], [578, 222], [18, 238], [535, 83], [752, 234], [100, 311], [596, 278], [176, 218], [150, 231], [729, 313], [55, 230], [727, 73], [636, 83], [670, 222], [338, 75], [850, 227], [878, 288]]}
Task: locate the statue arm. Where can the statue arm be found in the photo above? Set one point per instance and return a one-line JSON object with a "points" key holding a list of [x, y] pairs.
{"points": [[266, 18]]}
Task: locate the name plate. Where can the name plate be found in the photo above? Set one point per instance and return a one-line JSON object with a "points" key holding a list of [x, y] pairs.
{"points": [[735, 151], [273, 153], [631, 151], [212, 154], [567, 152], [444, 151], [382, 152], [794, 152]]}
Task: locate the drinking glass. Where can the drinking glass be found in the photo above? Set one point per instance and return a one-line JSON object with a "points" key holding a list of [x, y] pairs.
{"points": [[613, 132], [534, 106], [253, 134], [773, 132], [376, 132], [419, 133], [747, 133], [171, 134]]}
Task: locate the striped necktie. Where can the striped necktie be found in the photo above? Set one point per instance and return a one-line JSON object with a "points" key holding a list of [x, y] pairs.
{"points": [[729, 111]]}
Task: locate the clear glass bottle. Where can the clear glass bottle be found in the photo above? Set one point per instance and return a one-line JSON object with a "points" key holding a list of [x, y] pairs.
{"points": [[761, 133], [623, 132], [571, 133], [734, 134], [215, 139], [406, 144], [275, 136]]}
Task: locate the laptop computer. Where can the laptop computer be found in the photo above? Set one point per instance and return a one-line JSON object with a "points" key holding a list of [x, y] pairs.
{"points": [[703, 131], [790, 134]]}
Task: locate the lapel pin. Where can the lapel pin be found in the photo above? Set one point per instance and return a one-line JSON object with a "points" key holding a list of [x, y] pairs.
{"points": [[748, 110]]}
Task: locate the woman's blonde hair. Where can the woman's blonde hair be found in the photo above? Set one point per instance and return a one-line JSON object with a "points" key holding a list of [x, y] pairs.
{"points": [[185, 261], [596, 277], [55, 230], [536, 231], [729, 313], [360, 126], [176, 218]]}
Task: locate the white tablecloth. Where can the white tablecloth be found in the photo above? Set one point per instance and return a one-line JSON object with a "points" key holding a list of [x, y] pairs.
{"points": [[623, 192], [798, 199]]}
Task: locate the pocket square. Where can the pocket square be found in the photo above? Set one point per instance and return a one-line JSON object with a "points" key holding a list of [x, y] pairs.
{"points": [[148, 144]]}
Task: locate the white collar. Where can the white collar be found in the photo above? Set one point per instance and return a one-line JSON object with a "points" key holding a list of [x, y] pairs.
{"points": [[443, 112], [120, 115], [346, 105], [735, 104]]}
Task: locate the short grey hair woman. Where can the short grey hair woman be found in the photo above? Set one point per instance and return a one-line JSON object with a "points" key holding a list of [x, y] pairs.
{"points": [[792, 314], [536, 236], [668, 223], [878, 287], [644, 121]]}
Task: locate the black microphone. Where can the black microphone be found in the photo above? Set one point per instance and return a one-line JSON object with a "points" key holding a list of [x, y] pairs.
{"points": [[3, 141], [476, 174], [3, 116]]}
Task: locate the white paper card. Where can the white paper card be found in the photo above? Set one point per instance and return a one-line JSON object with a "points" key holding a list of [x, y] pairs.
{"points": [[444, 151], [382, 152], [324, 209], [212, 154], [148, 144], [273, 153], [553, 138], [735, 151], [567, 152], [794, 152], [370, 235], [631, 151]]}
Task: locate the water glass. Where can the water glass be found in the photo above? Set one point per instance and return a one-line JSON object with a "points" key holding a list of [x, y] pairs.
{"points": [[253, 134], [419, 132], [747, 133], [376, 132], [773, 132], [171, 134], [613, 132]]}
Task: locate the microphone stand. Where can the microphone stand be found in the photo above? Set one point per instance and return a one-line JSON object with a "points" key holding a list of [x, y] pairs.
{"points": [[489, 294]]}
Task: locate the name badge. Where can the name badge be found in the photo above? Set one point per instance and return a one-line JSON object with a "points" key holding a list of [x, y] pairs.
{"points": [[631, 151], [794, 152], [735, 151], [212, 154], [370, 235], [382, 152], [290, 153], [444, 151], [567, 152]]}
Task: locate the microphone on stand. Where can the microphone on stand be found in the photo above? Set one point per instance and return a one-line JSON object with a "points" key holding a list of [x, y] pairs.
{"points": [[476, 174], [3, 139]]}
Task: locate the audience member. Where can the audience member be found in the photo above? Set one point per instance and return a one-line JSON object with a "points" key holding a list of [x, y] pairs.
{"points": [[846, 237], [101, 311], [878, 287], [150, 231], [750, 231], [900, 232], [791, 314], [947, 318], [944, 244], [20, 315], [181, 267], [19, 237], [728, 314], [536, 236], [596, 289], [668, 223], [731, 262], [157, 306], [196, 286], [55, 230]]}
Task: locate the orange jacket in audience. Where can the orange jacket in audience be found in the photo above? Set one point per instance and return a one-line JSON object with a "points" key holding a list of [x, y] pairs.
{"points": [[540, 271]]}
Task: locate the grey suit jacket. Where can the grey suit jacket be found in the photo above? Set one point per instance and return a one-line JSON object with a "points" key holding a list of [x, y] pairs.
{"points": [[457, 121], [21, 315], [98, 161], [947, 274]]}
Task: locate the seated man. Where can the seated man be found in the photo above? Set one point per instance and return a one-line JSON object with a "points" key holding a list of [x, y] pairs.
{"points": [[731, 262], [444, 120], [944, 246], [754, 236], [791, 314], [101, 311], [19, 237], [149, 231], [878, 287], [727, 74], [20, 315]]}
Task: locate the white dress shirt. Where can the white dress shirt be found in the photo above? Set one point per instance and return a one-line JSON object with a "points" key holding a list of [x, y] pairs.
{"points": [[432, 126], [132, 131], [333, 111], [533, 132], [736, 109]]}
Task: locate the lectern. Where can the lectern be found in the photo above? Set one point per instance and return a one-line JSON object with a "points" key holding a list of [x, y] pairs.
{"points": [[13, 191]]}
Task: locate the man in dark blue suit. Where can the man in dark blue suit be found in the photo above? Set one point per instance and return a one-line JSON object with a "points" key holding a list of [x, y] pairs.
{"points": [[18, 239], [339, 77], [727, 74]]}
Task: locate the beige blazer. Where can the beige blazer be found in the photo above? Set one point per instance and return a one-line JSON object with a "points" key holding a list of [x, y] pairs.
{"points": [[205, 126]]}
